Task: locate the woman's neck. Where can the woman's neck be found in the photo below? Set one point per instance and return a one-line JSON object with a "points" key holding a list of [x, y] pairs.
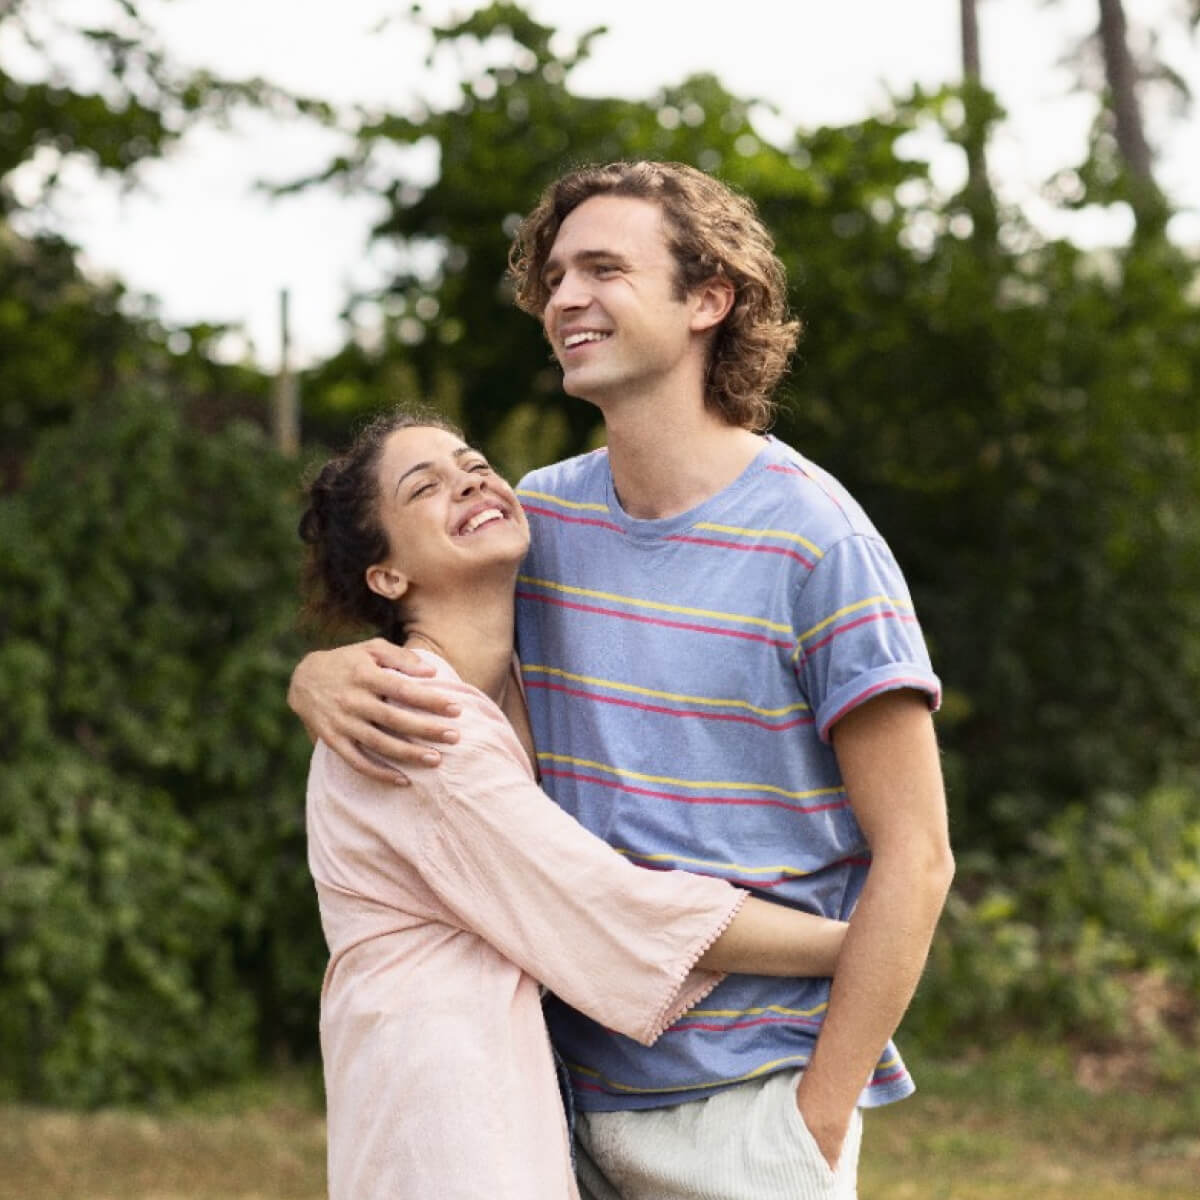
{"points": [[473, 633]]}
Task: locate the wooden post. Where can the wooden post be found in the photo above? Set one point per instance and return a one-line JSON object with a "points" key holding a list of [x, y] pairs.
{"points": [[287, 398]]}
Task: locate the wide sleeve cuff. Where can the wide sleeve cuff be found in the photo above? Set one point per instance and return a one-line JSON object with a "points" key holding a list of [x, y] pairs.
{"points": [[890, 678], [695, 985]]}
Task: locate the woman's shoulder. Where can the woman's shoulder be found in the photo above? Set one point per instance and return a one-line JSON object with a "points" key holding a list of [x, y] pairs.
{"points": [[484, 732], [446, 679]]}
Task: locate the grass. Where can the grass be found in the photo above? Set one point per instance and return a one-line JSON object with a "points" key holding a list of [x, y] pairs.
{"points": [[1018, 1127], [262, 1142], [1003, 1128]]}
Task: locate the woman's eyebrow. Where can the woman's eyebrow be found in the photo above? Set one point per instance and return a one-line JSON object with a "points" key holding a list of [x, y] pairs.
{"points": [[423, 466]]}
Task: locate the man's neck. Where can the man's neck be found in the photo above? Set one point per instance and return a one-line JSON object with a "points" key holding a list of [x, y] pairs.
{"points": [[668, 459]]}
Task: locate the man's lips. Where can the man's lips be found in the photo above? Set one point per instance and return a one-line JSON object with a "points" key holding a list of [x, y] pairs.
{"points": [[584, 337]]}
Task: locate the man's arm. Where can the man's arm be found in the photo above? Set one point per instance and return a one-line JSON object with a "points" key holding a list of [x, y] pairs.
{"points": [[888, 757], [352, 701]]}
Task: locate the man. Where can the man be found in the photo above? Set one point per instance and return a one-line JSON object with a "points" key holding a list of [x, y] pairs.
{"points": [[724, 673]]}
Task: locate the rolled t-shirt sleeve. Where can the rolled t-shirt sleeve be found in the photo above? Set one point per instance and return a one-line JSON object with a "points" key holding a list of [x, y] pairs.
{"points": [[857, 632], [613, 940]]}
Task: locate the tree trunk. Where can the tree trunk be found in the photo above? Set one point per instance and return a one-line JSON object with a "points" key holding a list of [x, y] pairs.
{"points": [[981, 202], [972, 70], [1121, 74]]}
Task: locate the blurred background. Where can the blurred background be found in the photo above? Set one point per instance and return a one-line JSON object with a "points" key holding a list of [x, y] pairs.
{"points": [[230, 232]]}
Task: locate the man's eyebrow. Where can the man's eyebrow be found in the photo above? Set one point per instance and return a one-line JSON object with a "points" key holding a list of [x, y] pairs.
{"points": [[423, 466], [585, 256]]}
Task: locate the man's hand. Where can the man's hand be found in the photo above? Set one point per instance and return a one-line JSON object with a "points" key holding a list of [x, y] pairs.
{"points": [[827, 1121], [343, 695]]}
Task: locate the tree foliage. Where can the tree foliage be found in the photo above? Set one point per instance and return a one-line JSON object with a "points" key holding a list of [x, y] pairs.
{"points": [[107, 93]]}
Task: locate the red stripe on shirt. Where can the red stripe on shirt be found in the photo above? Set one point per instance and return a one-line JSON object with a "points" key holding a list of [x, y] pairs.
{"points": [[624, 616], [558, 516], [670, 712], [811, 479], [684, 1025], [732, 801], [699, 541], [751, 885], [889, 615], [922, 685]]}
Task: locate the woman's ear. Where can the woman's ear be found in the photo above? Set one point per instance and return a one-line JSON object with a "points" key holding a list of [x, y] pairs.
{"points": [[712, 301], [386, 581]]}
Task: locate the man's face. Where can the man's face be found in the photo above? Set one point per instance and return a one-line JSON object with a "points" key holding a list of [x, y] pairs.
{"points": [[614, 318]]}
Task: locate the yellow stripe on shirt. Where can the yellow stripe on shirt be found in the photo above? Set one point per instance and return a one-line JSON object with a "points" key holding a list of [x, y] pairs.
{"points": [[765, 1069], [733, 785], [797, 872], [577, 504], [811, 547], [682, 697], [655, 605]]}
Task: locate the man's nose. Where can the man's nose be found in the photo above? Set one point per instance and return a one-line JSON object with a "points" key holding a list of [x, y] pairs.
{"points": [[568, 294]]}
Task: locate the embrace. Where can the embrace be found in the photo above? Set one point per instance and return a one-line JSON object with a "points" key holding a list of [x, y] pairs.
{"points": [[729, 876]]}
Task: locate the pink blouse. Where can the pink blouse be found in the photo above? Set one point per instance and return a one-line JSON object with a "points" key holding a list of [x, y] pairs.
{"points": [[444, 904]]}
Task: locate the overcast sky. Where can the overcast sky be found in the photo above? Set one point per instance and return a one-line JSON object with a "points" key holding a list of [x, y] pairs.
{"points": [[198, 236]]}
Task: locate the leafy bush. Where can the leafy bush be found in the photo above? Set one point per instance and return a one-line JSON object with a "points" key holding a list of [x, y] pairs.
{"points": [[157, 928], [1093, 936]]}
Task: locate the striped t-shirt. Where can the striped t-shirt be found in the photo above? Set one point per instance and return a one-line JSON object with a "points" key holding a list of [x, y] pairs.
{"points": [[682, 676]]}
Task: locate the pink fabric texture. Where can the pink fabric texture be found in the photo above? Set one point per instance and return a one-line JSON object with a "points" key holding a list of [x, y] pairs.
{"points": [[444, 905]]}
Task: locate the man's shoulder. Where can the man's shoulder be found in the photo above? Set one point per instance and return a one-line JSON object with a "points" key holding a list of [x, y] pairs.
{"points": [[582, 477], [797, 494]]}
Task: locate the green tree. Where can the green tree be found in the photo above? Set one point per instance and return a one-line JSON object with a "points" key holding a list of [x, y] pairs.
{"points": [[1016, 412], [109, 96]]}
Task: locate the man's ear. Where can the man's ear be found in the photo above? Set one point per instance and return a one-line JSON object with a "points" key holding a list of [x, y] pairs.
{"points": [[712, 301], [386, 581]]}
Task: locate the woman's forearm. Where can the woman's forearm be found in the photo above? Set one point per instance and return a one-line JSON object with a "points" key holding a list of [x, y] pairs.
{"points": [[771, 939]]}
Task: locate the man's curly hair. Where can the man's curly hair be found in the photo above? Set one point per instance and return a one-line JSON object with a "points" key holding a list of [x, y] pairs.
{"points": [[711, 231]]}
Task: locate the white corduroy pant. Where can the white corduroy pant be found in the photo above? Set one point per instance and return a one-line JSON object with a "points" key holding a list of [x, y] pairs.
{"points": [[745, 1143]]}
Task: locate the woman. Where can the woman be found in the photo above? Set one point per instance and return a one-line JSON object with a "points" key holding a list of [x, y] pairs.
{"points": [[447, 904]]}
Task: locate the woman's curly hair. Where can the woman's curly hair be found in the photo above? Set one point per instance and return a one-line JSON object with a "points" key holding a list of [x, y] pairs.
{"points": [[344, 534], [711, 231]]}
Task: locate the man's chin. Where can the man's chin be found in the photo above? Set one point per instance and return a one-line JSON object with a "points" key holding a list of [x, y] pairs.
{"points": [[578, 385]]}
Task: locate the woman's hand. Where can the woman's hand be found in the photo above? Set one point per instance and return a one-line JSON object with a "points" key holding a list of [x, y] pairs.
{"points": [[366, 702]]}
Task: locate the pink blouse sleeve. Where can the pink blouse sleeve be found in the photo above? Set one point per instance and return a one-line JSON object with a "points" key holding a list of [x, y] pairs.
{"points": [[615, 941]]}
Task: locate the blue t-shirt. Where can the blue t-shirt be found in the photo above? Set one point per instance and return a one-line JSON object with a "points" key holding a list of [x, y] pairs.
{"points": [[683, 675]]}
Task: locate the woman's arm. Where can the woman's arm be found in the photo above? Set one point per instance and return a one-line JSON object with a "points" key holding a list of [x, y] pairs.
{"points": [[632, 948], [771, 939]]}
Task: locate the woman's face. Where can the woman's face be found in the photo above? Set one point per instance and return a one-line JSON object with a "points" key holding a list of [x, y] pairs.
{"points": [[448, 516]]}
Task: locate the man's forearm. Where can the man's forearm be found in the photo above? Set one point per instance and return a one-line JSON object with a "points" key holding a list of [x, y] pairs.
{"points": [[878, 970]]}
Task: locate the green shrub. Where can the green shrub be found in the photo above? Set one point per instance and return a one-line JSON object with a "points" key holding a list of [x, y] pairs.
{"points": [[157, 927], [1093, 936]]}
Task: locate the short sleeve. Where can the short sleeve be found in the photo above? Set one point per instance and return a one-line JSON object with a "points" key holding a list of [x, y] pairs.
{"points": [[613, 940], [857, 632]]}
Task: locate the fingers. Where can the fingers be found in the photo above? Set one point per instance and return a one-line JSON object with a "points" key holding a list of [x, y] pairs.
{"points": [[388, 739], [403, 752], [388, 654], [371, 767], [379, 754], [410, 699]]}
